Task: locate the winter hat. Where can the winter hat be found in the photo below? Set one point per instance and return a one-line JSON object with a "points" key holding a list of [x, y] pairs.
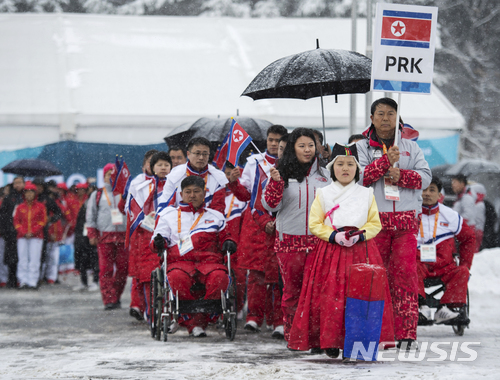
{"points": [[29, 186], [82, 185], [38, 181], [62, 186], [340, 150], [107, 168]]}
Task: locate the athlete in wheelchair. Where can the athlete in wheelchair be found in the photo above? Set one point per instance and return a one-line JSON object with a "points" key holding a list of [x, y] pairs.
{"points": [[194, 267], [436, 264]]}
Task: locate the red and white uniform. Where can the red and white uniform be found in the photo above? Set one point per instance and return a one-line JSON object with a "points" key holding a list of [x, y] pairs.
{"points": [[233, 212], [29, 219], [145, 260], [203, 264], [137, 296], [215, 183], [440, 225], [256, 248]]}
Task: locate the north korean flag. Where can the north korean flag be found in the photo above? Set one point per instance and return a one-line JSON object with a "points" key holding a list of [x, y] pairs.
{"points": [[120, 177], [259, 185], [135, 217], [238, 141], [409, 29]]}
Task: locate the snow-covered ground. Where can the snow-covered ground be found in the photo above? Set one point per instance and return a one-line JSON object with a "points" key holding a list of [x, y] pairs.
{"points": [[58, 334]]}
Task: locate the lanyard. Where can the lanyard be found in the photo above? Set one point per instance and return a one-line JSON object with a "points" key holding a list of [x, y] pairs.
{"points": [[385, 148], [107, 197], [435, 227], [179, 221], [230, 208]]}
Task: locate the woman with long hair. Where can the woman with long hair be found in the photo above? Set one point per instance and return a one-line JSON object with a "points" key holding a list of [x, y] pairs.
{"points": [[290, 193]]}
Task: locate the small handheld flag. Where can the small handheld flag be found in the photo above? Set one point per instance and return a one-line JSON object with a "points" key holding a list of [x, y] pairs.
{"points": [[238, 140], [120, 176]]}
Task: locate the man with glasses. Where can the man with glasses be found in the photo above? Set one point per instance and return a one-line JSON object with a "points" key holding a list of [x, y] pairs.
{"points": [[198, 153]]}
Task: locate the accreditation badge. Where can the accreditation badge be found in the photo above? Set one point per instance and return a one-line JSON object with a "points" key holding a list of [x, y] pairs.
{"points": [[391, 191], [116, 217], [428, 253], [185, 245], [148, 223]]}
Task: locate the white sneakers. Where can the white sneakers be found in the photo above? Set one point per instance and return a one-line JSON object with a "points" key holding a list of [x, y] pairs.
{"points": [[198, 332], [444, 314], [426, 311], [278, 333], [252, 326], [93, 287], [174, 326]]}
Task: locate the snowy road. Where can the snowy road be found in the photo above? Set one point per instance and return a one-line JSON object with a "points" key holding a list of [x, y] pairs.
{"points": [[58, 334]]}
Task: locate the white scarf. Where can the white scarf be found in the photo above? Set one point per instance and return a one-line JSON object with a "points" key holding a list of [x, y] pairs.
{"points": [[350, 204]]}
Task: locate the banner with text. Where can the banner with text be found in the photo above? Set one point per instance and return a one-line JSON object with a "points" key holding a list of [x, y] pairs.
{"points": [[403, 48]]}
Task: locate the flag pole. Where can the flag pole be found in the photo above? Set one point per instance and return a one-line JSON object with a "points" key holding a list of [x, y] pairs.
{"points": [[263, 156]]}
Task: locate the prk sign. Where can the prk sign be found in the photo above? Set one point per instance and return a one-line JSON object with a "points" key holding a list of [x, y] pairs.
{"points": [[403, 48]]}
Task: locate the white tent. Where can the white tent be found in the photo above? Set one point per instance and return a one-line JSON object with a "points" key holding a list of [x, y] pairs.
{"points": [[132, 79]]}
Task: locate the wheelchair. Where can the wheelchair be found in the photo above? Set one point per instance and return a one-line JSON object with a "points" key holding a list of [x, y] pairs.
{"points": [[434, 287], [166, 308]]}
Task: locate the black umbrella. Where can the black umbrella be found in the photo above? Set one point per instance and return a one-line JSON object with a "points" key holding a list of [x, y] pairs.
{"points": [[31, 167], [473, 166], [216, 129], [311, 74]]}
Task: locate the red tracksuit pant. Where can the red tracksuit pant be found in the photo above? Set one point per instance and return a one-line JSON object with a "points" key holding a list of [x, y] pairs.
{"points": [[398, 249], [138, 296], [259, 290], [182, 282], [292, 270], [455, 279], [113, 269]]}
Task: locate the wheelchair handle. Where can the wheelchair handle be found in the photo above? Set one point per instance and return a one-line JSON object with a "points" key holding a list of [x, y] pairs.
{"points": [[228, 261]]}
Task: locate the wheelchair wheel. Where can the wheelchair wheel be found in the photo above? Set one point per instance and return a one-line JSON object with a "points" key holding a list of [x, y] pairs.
{"points": [[230, 322], [231, 327], [159, 306], [152, 304], [464, 313]]}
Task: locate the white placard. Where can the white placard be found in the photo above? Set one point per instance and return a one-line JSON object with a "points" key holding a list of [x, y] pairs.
{"points": [[403, 48]]}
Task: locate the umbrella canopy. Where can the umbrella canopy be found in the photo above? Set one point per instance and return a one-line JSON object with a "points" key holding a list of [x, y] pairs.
{"points": [[473, 166], [311, 74], [216, 129], [31, 167]]}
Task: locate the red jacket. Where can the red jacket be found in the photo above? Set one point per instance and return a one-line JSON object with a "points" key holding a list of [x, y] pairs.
{"points": [[30, 218], [207, 233]]}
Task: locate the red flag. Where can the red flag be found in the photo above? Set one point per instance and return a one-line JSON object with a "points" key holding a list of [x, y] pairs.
{"points": [[120, 177], [238, 140]]}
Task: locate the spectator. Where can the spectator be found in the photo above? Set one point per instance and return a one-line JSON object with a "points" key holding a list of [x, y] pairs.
{"points": [[356, 138], [106, 229], [30, 218], [7, 230], [86, 257]]}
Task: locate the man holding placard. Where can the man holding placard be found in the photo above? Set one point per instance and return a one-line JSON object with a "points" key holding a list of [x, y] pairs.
{"points": [[403, 62]]}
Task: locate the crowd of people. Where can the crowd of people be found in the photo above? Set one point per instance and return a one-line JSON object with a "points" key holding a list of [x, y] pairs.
{"points": [[294, 219]]}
